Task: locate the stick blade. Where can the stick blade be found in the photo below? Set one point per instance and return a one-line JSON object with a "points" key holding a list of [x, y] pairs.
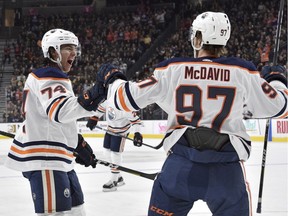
{"points": [[259, 208]]}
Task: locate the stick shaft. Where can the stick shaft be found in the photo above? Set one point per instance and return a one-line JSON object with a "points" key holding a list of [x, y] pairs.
{"points": [[276, 50], [126, 137], [125, 169], [10, 135], [150, 176], [259, 204], [278, 32]]}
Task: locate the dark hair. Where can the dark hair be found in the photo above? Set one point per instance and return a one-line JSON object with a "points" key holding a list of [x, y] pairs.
{"points": [[215, 50]]}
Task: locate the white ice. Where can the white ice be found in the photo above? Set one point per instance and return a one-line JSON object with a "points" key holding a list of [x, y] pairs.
{"points": [[132, 199]]}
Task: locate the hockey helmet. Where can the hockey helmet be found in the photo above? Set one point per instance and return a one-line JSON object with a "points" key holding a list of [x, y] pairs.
{"points": [[214, 26], [55, 38]]}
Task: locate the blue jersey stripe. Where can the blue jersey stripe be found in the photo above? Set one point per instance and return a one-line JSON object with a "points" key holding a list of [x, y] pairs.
{"points": [[44, 158], [42, 142], [58, 110], [130, 98], [50, 105], [282, 111]]}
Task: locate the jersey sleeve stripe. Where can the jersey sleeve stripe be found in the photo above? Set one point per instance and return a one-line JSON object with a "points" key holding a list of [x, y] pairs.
{"points": [[137, 121], [101, 109], [120, 92], [50, 105], [283, 110], [116, 103], [58, 110], [285, 115], [53, 108], [130, 98]]}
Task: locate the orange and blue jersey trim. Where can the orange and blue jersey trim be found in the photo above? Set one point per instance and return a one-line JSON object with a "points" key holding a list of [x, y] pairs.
{"points": [[229, 61], [50, 73], [119, 130], [101, 109], [55, 107], [64, 153], [120, 95], [282, 113]]}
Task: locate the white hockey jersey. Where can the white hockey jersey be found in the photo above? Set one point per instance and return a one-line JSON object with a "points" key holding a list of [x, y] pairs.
{"points": [[49, 133], [118, 122], [209, 92]]}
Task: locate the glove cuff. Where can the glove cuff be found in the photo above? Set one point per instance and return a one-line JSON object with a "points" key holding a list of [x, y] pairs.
{"points": [[113, 77], [94, 118]]}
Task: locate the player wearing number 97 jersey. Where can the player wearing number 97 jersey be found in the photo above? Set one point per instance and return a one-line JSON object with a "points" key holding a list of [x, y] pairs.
{"points": [[206, 141]]}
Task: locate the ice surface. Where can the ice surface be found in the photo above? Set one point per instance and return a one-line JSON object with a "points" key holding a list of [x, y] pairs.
{"points": [[132, 199]]}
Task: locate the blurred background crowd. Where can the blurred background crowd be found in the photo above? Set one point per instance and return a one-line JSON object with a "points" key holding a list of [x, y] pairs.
{"points": [[137, 35]]}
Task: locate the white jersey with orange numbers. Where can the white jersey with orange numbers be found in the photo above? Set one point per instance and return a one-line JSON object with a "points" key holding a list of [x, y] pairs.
{"points": [[208, 92], [48, 135], [118, 122]]}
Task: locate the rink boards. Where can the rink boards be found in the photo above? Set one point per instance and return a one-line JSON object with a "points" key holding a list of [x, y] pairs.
{"points": [[278, 130]]}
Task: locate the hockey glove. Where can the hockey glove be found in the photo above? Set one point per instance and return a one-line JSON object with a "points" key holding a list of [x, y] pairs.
{"points": [[277, 72], [91, 98], [138, 139], [108, 73], [92, 122], [84, 153]]}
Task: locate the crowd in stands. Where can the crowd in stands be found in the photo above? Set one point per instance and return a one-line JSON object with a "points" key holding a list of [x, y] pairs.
{"points": [[127, 35]]}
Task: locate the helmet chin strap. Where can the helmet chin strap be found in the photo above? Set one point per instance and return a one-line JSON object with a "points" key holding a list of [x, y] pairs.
{"points": [[196, 49], [58, 61]]}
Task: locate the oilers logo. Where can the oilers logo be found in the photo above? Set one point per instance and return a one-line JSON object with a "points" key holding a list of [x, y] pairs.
{"points": [[111, 113], [67, 193], [34, 196]]}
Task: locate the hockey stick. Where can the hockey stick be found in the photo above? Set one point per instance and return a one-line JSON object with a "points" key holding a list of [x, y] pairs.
{"points": [[125, 169], [105, 163], [278, 31], [115, 134], [10, 135]]}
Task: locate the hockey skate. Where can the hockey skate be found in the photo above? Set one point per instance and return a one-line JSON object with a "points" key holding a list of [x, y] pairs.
{"points": [[112, 185]]}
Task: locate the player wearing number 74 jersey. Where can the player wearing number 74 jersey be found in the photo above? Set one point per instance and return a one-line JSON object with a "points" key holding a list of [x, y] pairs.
{"points": [[205, 98], [44, 147]]}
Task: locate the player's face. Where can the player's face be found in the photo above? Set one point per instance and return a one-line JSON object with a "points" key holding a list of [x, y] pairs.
{"points": [[68, 54]]}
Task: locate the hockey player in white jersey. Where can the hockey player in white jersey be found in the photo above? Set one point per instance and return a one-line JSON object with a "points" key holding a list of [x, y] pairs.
{"points": [[118, 123], [44, 147], [204, 98]]}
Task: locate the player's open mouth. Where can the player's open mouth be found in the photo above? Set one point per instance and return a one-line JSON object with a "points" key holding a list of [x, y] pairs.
{"points": [[70, 62]]}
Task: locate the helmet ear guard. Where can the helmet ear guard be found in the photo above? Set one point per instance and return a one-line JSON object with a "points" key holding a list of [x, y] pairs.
{"points": [[214, 26]]}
